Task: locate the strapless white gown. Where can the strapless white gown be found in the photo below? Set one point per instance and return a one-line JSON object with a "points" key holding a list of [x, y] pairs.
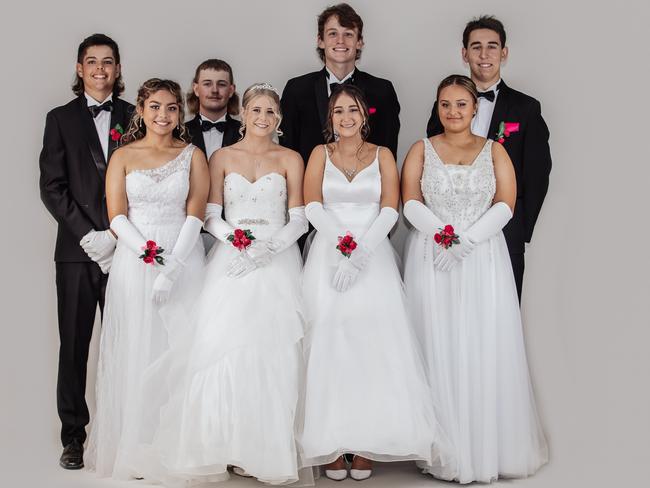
{"points": [[235, 384]]}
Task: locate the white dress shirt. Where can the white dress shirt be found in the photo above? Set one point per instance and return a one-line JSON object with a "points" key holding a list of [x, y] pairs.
{"points": [[483, 117], [102, 123], [213, 138], [333, 79]]}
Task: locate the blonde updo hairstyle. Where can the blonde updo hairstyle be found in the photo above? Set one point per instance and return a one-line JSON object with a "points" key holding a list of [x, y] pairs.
{"points": [[257, 90], [137, 129]]}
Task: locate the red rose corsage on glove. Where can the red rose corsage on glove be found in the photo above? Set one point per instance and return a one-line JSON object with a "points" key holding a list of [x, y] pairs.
{"points": [[152, 253], [346, 244], [241, 239], [446, 237]]}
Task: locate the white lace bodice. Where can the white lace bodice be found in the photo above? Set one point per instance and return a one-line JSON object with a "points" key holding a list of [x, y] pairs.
{"points": [[158, 196], [260, 206], [458, 194]]}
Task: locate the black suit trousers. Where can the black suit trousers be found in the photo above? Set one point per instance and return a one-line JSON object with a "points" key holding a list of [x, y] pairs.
{"points": [[80, 287], [517, 261]]}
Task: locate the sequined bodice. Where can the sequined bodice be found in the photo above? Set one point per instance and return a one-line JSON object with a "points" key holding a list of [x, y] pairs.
{"points": [[158, 196], [458, 194], [260, 206], [354, 204]]}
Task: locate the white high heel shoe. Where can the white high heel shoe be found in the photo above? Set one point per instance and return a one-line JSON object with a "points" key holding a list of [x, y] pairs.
{"points": [[337, 474], [360, 474]]}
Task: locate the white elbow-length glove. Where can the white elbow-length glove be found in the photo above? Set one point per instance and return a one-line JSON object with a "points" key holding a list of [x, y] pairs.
{"points": [[323, 222], [175, 261], [424, 220], [261, 252], [488, 225], [215, 224], [349, 268], [128, 234]]}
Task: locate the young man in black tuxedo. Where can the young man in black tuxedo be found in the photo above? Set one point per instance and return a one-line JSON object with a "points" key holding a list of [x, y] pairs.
{"points": [[305, 98], [484, 49], [213, 100], [78, 142]]}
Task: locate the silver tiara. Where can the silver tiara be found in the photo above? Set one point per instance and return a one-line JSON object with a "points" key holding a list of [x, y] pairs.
{"points": [[265, 86]]}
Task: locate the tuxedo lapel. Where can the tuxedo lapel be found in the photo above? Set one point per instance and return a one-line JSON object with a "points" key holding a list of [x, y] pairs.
{"points": [[196, 133], [320, 91], [231, 134], [118, 116], [500, 110], [89, 133]]}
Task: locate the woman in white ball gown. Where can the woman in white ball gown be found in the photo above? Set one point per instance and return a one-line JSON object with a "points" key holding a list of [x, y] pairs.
{"points": [[366, 392], [236, 385], [156, 191], [463, 297]]}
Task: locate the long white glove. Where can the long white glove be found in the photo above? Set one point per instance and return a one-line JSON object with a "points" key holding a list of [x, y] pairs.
{"points": [[261, 252], [424, 220], [323, 222], [349, 268], [128, 234], [490, 223], [99, 245], [215, 224], [291, 231], [174, 262]]}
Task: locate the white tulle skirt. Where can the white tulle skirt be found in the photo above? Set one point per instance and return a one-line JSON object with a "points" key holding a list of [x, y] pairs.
{"points": [[135, 337], [469, 323], [366, 391], [235, 386]]}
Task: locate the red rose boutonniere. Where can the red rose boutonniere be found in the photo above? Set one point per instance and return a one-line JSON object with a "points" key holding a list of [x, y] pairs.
{"points": [[346, 244], [117, 132], [372, 110], [446, 237], [241, 239], [152, 253], [505, 129]]}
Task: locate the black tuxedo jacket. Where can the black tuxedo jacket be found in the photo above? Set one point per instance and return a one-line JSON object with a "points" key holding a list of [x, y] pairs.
{"points": [[73, 172], [304, 111], [530, 154], [230, 135]]}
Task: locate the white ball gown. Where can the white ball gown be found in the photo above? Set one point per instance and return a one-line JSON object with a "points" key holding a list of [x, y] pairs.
{"points": [[235, 389], [468, 321], [134, 334], [366, 391]]}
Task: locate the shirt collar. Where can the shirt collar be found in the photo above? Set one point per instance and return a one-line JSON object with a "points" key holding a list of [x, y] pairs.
{"points": [[495, 87], [222, 118], [92, 102], [333, 79]]}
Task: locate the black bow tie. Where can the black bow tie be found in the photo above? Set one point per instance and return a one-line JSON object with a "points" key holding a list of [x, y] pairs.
{"points": [[95, 110], [336, 85], [488, 95], [206, 125]]}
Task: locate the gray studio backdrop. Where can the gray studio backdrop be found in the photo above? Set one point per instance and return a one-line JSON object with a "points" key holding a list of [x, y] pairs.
{"points": [[586, 289]]}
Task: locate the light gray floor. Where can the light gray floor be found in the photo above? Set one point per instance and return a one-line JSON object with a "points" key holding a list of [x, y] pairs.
{"points": [[44, 472]]}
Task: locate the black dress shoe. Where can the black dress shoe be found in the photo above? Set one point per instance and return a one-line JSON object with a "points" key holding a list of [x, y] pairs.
{"points": [[73, 455]]}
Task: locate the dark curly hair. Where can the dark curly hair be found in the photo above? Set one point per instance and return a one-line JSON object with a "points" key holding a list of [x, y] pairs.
{"points": [[137, 129]]}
